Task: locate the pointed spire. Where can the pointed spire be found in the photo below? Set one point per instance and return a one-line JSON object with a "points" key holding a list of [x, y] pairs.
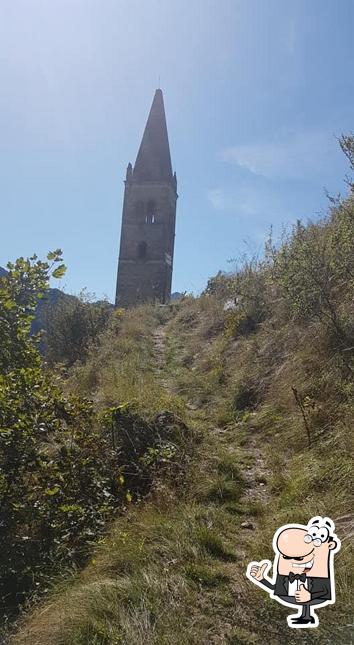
{"points": [[129, 174], [153, 162]]}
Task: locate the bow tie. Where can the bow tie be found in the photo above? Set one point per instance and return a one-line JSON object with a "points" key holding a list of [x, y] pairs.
{"points": [[297, 576]]}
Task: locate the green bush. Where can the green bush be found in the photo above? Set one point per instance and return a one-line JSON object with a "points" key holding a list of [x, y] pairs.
{"points": [[64, 469], [56, 467], [314, 269], [72, 325]]}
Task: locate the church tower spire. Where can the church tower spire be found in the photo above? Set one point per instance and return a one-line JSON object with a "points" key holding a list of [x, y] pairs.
{"points": [[149, 215], [153, 162]]}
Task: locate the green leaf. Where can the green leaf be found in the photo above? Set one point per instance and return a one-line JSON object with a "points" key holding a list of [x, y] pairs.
{"points": [[54, 255], [52, 491], [9, 304], [59, 271], [71, 508]]}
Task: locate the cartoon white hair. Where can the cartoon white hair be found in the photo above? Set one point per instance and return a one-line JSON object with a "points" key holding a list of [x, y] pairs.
{"points": [[322, 521]]}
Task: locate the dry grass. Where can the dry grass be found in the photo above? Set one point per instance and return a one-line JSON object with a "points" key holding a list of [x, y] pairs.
{"points": [[121, 368], [173, 570]]}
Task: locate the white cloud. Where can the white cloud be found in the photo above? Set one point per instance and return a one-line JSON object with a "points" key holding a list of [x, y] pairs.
{"points": [[296, 156], [216, 197], [246, 202], [225, 200]]}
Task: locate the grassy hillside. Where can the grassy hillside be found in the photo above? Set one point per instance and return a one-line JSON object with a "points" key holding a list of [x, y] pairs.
{"points": [[267, 389], [69, 465]]}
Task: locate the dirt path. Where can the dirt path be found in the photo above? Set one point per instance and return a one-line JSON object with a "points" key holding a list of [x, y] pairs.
{"points": [[253, 468], [159, 347], [217, 607], [256, 474]]}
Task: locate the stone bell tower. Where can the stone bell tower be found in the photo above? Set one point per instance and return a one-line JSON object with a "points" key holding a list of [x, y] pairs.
{"points": [[149, 216]]}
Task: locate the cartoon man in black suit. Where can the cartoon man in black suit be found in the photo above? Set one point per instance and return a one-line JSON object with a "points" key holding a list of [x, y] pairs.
{"points": [[303, 568]]}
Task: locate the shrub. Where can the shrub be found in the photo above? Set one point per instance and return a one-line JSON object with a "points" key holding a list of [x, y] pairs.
{"points": [[315, 267], [220, 286], [64, 472], [72, 325], [245, 396]]}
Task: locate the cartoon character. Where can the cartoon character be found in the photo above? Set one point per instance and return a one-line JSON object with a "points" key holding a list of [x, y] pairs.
{"points": [[302, 569]]}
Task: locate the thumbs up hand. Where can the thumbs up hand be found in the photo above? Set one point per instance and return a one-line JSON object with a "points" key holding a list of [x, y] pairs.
{"points": [[302, 595], [257, 570]]}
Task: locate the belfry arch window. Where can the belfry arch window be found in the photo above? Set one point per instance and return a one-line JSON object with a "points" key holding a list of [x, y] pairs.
{"points": [[141, 250], [151, 214]]}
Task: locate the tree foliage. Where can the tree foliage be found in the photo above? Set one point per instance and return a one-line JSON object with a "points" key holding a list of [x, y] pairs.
{"points": [[314, 269], [346, 143], [63, 473], [72, 325], [20, 289]]}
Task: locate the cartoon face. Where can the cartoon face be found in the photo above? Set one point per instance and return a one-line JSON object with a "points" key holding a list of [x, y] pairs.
{"points": [[303, 569], [305, 550]]}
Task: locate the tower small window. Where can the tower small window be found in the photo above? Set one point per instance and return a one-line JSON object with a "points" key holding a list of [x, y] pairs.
{"points": [[142, 248], [151, 215]]}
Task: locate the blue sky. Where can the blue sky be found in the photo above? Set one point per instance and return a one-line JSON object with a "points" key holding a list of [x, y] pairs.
{"points": [[256, 92]]}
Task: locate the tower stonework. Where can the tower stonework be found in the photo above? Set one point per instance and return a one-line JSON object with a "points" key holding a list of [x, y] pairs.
{"points": [[149, 217]]}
